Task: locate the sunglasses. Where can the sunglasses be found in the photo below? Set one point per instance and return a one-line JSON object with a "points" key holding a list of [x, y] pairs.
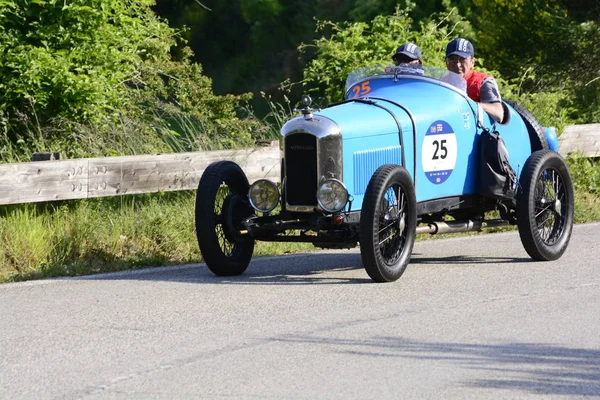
{"points": [[454, 59], [402, 60]]}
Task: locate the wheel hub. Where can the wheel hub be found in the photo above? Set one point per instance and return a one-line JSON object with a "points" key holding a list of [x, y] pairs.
{"points": [[402, 223], [236, 209], [557, 207]]}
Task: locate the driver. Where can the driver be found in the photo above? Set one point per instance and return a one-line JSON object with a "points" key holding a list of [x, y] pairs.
{"points": [[481, 87], [408, 54]]}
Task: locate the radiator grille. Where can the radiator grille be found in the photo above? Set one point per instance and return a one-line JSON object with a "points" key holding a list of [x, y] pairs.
{"points": [[366, 163], [301, 169]]}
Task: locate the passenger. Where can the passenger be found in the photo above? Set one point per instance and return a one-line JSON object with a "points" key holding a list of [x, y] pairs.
{"points": [[408, 54], [481, 87]]}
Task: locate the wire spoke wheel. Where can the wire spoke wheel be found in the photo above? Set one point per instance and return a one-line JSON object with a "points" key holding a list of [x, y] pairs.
{"points": [[392, 223], [388, 223], [545, 206], [550, 206], [221, 201], [221, 206]]}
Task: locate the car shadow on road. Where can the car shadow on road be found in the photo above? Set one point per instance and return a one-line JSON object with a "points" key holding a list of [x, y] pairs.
{"points": [[294, 269], [418, 258], [291, 269], [302, 269], [538, 369]]}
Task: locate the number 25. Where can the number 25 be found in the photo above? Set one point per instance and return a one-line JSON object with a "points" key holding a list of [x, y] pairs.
{"points": [[441, 145], [361, 90]]}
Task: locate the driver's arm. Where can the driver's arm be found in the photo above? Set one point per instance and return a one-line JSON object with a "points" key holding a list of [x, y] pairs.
{"points": [[495, 110], [490, 99]]}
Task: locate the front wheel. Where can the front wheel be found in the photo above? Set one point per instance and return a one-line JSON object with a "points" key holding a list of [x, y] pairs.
{"points": [[545, 206], [388, 223], [221, 206]]}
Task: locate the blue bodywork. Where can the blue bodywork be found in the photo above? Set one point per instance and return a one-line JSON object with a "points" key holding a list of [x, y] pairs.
{"points": [[405, 152], [422, 123], [551, 138]]}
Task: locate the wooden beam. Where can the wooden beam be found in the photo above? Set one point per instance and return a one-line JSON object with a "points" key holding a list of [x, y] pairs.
{"points": [[112, 176], [580, 139], [43, 181]]}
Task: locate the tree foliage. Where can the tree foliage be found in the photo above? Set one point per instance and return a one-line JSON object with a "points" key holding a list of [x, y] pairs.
{"points": [[68, 59], [538, 45], [250, 44], [353, 45], [545, 45], [75, 74]]}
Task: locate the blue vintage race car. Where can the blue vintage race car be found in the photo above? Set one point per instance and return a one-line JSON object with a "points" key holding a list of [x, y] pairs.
{"points": [[401, 155]]}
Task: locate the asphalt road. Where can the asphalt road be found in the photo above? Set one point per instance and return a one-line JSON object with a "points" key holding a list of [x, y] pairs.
{"points": [[472, 318]]}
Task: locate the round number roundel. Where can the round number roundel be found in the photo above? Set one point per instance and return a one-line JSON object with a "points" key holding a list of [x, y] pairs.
{"points": [[439, 152]]}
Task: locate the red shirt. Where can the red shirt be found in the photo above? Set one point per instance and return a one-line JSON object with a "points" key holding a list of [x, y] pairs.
{"points": [[474, 80]]}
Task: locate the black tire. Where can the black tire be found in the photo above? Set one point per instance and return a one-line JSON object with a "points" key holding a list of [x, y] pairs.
{"points": [[388, 227], [534, 129], [545, 206], [221, 205]]}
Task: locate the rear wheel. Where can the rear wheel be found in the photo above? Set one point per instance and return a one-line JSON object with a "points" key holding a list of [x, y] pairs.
{"points": [[221, 205], [388, 223], [545, 206]]}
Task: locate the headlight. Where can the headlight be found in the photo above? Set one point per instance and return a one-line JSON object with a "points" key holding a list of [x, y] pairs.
{"points": [[332, 195], [264, 195]]}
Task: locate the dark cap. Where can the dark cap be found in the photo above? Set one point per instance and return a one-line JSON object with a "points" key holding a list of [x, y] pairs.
{"points": [[460, 47], [410, 50]]}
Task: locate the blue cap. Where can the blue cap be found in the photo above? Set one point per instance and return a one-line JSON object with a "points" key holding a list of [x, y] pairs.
{"points": [[460, 47], [410, 50]]}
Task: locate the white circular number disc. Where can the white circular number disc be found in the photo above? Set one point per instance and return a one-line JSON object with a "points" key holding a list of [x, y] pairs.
{"points": [[438, 154]]}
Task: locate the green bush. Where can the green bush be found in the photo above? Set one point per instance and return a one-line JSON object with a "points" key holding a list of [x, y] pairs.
{"points": [[549, 49], [95, 77], [354, 45]]}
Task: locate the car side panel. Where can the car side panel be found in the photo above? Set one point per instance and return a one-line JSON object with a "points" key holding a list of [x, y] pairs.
{"points": [[370, 139], [446, 139], [411, 102], [428, 104], [440, 135]]}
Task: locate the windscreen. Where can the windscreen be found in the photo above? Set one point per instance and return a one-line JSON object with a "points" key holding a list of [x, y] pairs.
{"points": [[407, 71]]}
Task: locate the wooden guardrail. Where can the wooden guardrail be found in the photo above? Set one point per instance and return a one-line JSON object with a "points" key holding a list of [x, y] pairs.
{"points": [[112, 176], [581, 139]]}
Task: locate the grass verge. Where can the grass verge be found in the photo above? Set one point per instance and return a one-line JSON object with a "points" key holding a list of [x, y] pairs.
{"points": [[84, 237]]}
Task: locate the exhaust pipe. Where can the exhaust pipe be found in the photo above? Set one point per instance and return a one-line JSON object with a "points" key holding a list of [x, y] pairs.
{"points": [[438, 227]]}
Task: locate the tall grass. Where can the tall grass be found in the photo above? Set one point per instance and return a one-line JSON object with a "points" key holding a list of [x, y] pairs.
{"points": [[278, 114], [97, 235], [88, 236], [585, 173], [26, 244], [82, 237]]}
